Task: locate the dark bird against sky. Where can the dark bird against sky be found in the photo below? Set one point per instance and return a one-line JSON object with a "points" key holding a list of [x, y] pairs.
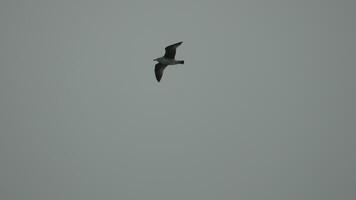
{"points": [[167, 59]]}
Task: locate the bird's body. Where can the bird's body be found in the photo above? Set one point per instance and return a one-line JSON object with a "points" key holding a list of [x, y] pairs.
{"points": [[167, 59]]}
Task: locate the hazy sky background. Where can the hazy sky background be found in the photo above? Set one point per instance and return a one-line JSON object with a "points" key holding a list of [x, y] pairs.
{"points": [[263, 108]]}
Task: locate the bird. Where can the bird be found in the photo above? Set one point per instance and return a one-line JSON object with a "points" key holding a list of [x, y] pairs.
{"points": [[167, 59]]}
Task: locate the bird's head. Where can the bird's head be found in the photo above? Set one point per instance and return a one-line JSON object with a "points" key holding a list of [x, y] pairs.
{"points": [[156, 59]]}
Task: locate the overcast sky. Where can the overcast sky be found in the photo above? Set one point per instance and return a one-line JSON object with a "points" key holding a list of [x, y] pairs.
{"points": [[263, 108]]}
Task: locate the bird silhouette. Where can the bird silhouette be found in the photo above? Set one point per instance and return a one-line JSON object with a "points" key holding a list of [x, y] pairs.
{"points": [[167, 59]]}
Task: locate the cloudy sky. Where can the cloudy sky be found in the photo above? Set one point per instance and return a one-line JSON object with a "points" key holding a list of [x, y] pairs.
{"points": [[263, 108]]}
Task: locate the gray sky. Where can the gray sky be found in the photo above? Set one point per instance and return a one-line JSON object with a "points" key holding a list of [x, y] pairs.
{"points": [[263, 107]]}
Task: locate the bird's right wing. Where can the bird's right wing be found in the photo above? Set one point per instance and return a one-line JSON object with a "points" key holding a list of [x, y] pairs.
{"points": [[159, 70]]}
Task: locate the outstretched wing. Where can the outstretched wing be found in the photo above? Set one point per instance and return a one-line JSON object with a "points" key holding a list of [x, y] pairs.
{"points": [[171, 50], [159, 70]]}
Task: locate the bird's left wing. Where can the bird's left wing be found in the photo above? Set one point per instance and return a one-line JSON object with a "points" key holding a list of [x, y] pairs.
{"points": [[171, 50]]}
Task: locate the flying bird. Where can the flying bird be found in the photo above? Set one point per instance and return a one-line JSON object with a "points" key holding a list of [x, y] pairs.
{"points": [[167, 59]]}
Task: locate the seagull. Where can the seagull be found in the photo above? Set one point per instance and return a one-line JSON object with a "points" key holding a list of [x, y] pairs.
{"points": [[167, 59]]}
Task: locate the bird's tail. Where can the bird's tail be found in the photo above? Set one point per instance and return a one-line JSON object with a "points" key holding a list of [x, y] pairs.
{"points": [[181, 61]]}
